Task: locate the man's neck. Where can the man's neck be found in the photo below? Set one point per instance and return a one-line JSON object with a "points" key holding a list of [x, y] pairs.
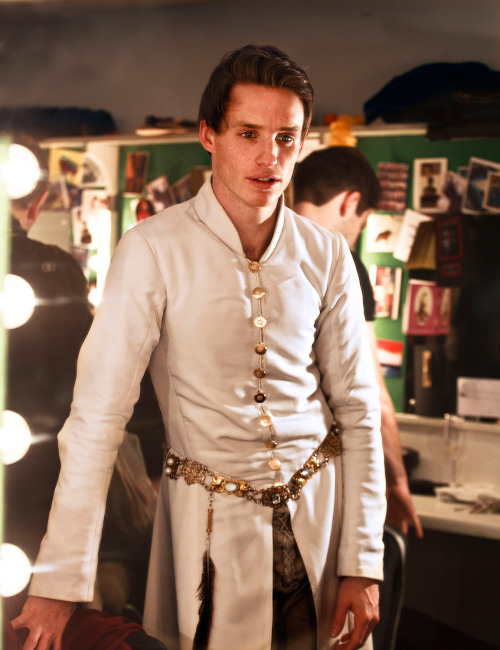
{"points": [[255, 236]]}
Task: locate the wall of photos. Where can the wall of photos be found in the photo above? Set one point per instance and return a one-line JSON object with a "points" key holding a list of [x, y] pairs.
{"points": [[445, 162]]}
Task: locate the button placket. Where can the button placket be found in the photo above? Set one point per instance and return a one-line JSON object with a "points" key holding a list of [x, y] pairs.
{"points": [[260, 322]]}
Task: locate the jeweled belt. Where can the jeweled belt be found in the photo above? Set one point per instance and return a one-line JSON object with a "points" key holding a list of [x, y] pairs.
{"points": [[193, 472]]}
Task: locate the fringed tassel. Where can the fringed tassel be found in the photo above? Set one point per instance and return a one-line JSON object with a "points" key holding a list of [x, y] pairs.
{"points": [[206, 593]]}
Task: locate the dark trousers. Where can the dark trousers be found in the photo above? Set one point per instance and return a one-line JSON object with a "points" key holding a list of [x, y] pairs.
{"points": [[294, 615]]}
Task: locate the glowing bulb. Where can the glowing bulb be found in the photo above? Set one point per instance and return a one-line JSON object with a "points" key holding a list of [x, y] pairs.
{"points": [[15, 437], [15, 570], [95, 296], [20, 172], [17, 301]]}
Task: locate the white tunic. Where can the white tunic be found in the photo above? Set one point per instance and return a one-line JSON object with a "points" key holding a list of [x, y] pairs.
{"points": [[178, 296]]}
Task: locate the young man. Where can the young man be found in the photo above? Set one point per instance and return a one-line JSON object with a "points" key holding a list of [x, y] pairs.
{"points": [[337, 189], [248, 317]]}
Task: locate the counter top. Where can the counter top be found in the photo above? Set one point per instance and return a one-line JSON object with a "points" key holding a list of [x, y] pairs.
{"points": [[456, 518]]}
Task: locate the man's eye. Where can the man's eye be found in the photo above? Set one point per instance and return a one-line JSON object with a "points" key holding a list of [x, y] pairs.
{"points": [[247, 134], [286, 138]]}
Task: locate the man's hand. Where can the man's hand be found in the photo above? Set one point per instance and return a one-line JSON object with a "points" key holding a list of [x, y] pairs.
{"points": [[46, 619], [360, 596], [400, 508]]}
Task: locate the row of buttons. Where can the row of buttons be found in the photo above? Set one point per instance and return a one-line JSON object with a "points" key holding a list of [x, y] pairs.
{"points": [[265, 420]]}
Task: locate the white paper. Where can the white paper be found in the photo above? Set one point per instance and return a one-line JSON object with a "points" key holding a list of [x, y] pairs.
{"points": [[382, 232], [478, 397], [407, 234]]}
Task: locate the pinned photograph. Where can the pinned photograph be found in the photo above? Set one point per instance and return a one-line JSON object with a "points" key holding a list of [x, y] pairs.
{"points": [[136, 171], [492, 195], [143, 208], [427, 309], [393, 180], [477, 184], [161, 194], [386, 283], [429, 175], [382, 231], [390, 357]]}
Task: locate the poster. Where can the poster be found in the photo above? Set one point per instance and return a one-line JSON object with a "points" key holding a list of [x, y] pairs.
{"points": [[427, 309]]}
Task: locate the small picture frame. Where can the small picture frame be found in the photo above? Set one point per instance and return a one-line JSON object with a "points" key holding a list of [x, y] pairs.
{"points": [[386, 283], [477, 180], [136, 171], [491, 200], [449, 239], [429, 175]]}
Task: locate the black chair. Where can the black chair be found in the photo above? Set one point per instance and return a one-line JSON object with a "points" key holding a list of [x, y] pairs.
{"points": [[391, 590]]}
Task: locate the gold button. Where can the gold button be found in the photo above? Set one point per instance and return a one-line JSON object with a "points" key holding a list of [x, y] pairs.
{"points": [[265, 421], [271, 444], [260, 321], [261, 348], [274, 463], [258, 293], [260, 397], [260, 373], [254, 267]]}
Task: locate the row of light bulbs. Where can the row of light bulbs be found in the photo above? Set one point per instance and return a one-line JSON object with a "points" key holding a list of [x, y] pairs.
{"points": [[20, 174]]}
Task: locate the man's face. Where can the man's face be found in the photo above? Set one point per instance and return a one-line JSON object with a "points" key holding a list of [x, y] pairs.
{"points": [[254, 154]]}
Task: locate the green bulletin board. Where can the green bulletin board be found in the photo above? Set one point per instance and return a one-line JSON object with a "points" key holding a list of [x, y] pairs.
{"points": [[172, 159], [404, 149]]}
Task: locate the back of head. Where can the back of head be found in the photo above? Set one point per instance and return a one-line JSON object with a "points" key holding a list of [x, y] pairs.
{"points": [[326, 173], [262, 65], [42, 184]]}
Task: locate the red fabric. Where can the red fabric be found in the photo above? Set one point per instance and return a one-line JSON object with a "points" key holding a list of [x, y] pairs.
{"points": [[88, 629], [10, 640]]}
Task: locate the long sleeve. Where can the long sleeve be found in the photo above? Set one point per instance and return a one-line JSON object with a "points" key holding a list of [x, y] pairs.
{"points": [[349, 384], [111, 364]]}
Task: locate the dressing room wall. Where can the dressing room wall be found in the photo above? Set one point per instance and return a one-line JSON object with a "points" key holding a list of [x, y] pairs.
{"points": [[134, 61]]}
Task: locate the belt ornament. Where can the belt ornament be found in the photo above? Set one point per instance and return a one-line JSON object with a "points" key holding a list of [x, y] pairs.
{"points": [[196, 473]]}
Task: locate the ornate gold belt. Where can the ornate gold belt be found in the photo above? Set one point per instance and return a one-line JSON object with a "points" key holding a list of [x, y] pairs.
{"points": [[193, 472]]}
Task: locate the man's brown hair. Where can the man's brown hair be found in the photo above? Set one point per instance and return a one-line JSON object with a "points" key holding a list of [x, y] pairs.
{"points": [[326, 173], [264, 65]]}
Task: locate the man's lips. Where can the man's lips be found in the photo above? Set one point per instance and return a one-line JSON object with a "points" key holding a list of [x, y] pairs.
{"points": [[265, 180]]}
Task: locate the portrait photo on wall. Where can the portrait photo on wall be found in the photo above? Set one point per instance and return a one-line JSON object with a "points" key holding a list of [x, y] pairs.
{"points": [[142, 208], [386, 283], [136, 170], [429, 176], [491, 200], [477, 184], [427, 309]]}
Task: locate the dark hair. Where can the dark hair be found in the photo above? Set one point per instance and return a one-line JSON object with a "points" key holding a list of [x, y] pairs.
{"points": [[262, 65], [42, 184], [326, 173]]}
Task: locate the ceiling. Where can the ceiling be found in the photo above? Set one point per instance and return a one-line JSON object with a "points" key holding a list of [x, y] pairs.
{"points": [[94, 3]]}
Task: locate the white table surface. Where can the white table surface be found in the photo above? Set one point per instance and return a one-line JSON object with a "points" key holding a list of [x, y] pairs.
{"points": [[456, 518]]}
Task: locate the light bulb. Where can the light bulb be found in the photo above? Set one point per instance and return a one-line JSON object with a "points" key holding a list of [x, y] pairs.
{"points": [[17, 301], [15, 437], [15, 570], [20, 172]]}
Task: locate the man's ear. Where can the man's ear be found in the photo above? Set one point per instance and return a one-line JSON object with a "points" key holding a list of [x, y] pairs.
{"points": [[349, 203], [206, 136]]}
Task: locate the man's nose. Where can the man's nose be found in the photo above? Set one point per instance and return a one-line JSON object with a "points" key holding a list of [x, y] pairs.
{"points": [[268, 153]]}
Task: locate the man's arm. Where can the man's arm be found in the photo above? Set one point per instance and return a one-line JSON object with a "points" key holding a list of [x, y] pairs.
{"points": [[400, 508]]}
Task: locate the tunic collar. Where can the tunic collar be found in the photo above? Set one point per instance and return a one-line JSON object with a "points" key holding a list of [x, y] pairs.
{"points": [[211, 213]]}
